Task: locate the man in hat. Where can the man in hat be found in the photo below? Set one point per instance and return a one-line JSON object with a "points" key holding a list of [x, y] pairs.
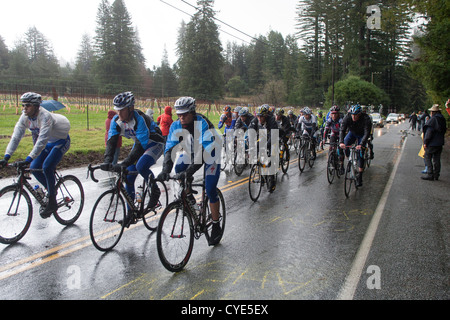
{"points": [[433, 141]]}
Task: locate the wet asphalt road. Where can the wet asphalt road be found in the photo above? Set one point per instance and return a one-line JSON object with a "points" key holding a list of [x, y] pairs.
{"points": [[298, 243]]}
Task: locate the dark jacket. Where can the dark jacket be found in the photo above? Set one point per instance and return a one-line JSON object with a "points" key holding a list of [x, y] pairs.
{"points": [[434, 131], [361, 128]]}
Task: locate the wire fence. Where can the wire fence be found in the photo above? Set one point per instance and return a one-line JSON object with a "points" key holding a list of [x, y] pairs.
{"points": [[95, 106]]}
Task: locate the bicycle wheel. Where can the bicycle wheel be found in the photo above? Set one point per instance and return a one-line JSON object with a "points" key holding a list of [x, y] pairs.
{"points": [[285, 158], [104, 227], [296, 145], [331, 170], [255, 181], [349, 179], [367, 159], [302, 155], [311, 158], [152, 215], [16, 214], [222, 212], [240, 162], [175, 237], [224, 159], [70, 200]]}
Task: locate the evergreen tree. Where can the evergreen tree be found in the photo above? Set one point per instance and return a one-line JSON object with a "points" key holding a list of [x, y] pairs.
{"points": [[4, 55], [200, 55], [119, 59], [84, 61], [165, 81]]}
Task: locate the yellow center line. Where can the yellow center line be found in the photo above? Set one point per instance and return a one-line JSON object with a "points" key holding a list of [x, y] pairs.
{"points": [[59, 251]]}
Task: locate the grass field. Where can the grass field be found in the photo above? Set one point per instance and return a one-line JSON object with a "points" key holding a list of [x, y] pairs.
{"points": [[83, 140]]}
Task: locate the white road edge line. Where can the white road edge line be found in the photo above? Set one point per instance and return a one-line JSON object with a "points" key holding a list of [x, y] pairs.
{"points": [[347, 291]]}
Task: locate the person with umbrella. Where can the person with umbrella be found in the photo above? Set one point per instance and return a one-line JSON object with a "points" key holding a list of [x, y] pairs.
{"points": [[51, 141]]}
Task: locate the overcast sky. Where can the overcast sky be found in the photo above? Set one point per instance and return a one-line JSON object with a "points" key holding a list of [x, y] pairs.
{"points": [[63, 22]]}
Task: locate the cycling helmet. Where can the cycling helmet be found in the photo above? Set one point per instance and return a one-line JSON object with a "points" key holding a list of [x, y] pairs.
{"points": [[262, 110], [335, 109], [290, 112], [307, 110], [356, 109], [271, 110], [279, 111], [123, 100], [244, 112], [184, 105], [31, 97], [227, 109], [237, 109]]}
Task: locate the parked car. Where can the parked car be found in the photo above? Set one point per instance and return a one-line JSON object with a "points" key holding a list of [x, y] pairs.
{"points": [[377, 120], [392, 117], [402, 116]]}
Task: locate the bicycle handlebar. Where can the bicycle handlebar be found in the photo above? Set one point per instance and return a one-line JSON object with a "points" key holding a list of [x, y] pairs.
{"points": [[120, 170]]}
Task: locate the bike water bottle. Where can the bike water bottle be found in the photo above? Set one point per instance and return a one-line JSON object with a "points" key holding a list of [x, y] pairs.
{"points": [[138, 197], [39, 191]]}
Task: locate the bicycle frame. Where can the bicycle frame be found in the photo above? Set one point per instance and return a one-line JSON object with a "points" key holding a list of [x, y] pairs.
{"points": [[199, 220], [120, 188], [22, 181]]}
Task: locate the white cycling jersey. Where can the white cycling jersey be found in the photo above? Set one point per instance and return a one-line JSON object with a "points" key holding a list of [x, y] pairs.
{"points": [[307, 126], [46, 128]]}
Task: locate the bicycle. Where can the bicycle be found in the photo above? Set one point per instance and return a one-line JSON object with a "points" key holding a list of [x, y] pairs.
{"points": [[306, 153], [366, 156], [352, 171], [296, 142], [182, 221], [16, 201], [257, 179], [333, 163], [109, 216], [285, 156], [241, 163]]}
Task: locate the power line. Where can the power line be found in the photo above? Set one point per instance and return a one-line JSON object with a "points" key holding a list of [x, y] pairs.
{"points": [[176, 8], [221, 30], [228, 25]]}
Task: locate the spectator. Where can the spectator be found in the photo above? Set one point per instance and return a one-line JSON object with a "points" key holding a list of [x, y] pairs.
{"points": [[111, 114], [419, 121], [413, 120], [149, 113], [165, 121], [433, 141]]}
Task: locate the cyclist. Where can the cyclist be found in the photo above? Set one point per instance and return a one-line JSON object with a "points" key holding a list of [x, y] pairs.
{"points": [[197, 126], [292, 117], [51, 141], [307, 126], [283, 124], [320, 125], [228, 119], [265, 120], [245, 118], [359, 127], [236, 114], [147, 149], [332, 127], [369, 142]]}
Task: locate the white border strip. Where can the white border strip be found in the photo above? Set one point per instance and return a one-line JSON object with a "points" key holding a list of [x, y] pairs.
{"points": [[347, 291]]}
